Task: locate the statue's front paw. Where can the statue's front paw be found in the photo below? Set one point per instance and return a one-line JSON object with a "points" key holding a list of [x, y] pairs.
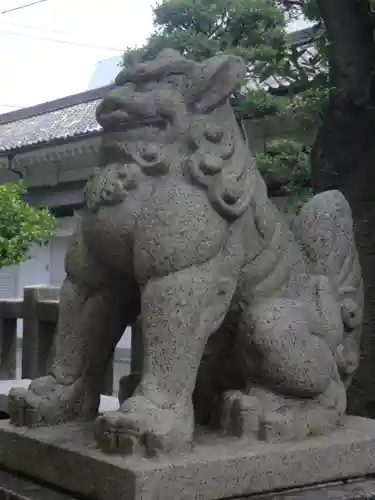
{"points": [[46, 402], [25, 408], [142, 427]]}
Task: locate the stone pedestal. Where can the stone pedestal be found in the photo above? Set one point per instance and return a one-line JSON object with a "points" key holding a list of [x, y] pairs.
{"points": [[66, 456]]}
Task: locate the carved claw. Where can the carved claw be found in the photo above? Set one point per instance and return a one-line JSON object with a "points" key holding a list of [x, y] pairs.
{"points": [[46, 402], [17, 406], [26, 408], [240, 414], [113, 439], [140, 427]]}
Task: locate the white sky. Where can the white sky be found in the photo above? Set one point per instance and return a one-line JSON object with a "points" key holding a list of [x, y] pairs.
{"points": [[35, 70]]}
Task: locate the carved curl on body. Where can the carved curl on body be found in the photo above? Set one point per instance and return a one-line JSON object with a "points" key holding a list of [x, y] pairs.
{"points": [[243, 325]]}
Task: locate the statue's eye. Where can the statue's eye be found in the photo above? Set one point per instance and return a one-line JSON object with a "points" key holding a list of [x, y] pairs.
{"points": [[150, 152], [214, 134]]}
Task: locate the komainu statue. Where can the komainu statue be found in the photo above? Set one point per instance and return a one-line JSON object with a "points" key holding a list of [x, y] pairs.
{"points": [[248, 327]]}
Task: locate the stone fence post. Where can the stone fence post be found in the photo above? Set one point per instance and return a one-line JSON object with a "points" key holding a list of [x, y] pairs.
{"points": [[10, 312], [40, 313], [40, 316]]}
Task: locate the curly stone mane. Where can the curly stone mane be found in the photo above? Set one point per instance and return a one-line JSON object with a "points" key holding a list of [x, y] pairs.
{"points": [[217, 158]]}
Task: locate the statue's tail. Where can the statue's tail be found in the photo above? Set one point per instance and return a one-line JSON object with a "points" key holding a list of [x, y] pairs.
{"points": [[324, 229]]}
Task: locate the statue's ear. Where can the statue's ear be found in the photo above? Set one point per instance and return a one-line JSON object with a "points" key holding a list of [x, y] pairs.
{"points": [[215, 79]]}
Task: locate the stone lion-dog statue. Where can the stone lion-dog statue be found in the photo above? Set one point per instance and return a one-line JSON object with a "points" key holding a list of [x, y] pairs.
{"points": [[249, 327]]}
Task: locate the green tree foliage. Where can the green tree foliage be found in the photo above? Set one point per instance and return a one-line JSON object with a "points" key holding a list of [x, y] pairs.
{"points": [[20, 224], [284, 80]]}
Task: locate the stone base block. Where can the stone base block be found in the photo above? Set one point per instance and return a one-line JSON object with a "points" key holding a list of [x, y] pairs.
{"points": [[66, 456]]}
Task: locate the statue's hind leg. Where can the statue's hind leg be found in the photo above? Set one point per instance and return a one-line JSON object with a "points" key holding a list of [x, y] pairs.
{"points": [[179, 313], [300, 392]]}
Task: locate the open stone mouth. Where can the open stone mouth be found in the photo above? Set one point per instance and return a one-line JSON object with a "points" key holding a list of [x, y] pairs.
{"points": [[131, 120], [128, 122], [153, 121]]}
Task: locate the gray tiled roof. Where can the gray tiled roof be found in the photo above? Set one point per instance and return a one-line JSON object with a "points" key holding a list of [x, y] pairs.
{"points": [[64, 123], [68, 117], [302, 36]]}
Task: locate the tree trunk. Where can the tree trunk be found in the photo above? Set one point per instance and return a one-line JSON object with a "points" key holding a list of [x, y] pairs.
{"points": [[343, 157]]}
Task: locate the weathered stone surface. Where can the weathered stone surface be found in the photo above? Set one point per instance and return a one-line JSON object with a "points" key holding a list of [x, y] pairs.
{"points": [[13, 487], [217, 469], [243, 326], [356, 489]]}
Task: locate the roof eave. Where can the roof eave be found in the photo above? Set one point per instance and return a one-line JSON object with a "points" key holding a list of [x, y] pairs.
{"points": [[57, 104], [48, 144]]}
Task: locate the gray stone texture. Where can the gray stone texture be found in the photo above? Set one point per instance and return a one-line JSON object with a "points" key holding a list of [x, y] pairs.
{"points": [[352, 489], [217, 468], [17, 488], [13, 487], [243, 326]]}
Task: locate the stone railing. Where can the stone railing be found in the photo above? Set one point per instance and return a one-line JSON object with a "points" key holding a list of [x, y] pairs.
{"points": [[39, 311]]}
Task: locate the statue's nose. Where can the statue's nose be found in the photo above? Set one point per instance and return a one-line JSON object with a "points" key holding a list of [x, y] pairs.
{"points": [[118, 97], [109, 112]]}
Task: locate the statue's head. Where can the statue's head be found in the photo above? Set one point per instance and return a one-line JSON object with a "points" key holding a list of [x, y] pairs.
{"points": [[168, 91], [174, 113]]}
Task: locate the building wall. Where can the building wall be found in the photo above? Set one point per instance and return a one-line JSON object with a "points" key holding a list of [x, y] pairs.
{"points": [[45, 267]]}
